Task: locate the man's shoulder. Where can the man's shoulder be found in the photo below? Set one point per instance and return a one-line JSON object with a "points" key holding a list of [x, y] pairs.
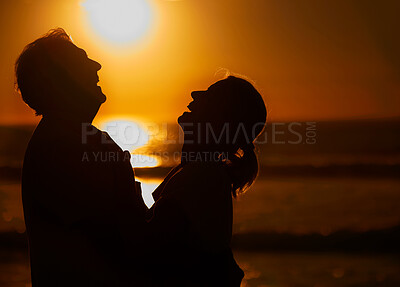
{"points": [[52, 141], [49, 133]]}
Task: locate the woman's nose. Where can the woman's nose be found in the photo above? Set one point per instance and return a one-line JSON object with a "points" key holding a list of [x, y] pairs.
{"points": [[196, 94]]}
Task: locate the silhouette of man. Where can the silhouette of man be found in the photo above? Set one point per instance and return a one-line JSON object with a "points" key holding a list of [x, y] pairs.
{"points": [[83, 215]]}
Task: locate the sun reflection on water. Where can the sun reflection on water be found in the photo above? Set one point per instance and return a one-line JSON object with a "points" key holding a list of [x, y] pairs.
{"points": [[148, 186], [130, 135]]}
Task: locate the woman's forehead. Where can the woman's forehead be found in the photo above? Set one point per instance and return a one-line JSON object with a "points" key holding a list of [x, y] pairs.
{"points": [[218, 84], [217, 87]]}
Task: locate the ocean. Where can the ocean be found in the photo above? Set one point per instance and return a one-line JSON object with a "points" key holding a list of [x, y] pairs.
{"points": [[323, 211]]}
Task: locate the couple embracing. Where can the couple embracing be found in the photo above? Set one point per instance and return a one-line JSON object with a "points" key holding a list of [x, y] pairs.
{"points": [[86, 221]]}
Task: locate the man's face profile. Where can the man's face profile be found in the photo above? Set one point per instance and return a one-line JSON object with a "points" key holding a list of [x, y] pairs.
{"points": [[80, 73]]}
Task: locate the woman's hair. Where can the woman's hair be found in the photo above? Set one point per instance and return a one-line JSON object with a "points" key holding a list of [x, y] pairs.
{"points": [[243, 170], [247, 118]]}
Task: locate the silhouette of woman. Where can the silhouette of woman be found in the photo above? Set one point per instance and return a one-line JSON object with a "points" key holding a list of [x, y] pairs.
{"points": [[192, 217]]}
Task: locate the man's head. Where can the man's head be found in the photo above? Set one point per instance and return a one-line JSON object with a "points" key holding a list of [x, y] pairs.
{"points": [[54, 76]]}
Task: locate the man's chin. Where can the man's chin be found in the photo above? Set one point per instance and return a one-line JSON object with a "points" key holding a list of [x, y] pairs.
{"points": [[99, 94], [95, 95], [102, 98], [99, 97]]}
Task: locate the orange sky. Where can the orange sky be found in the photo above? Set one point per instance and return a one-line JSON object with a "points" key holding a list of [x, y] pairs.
{"points": [[311, 60]]}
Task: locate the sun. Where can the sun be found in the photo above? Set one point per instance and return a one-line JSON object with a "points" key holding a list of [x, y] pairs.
{"points": [[119, 21]]}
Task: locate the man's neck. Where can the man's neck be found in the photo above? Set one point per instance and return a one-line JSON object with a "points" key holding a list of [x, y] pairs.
{"points": [[68, 119], [71, 117]]}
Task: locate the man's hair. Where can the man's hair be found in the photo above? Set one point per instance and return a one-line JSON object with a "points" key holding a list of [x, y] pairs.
{"points": [[36, 70]]}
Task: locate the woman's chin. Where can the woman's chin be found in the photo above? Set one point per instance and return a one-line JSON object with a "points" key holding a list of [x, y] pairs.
{"points": [[184, 118]]}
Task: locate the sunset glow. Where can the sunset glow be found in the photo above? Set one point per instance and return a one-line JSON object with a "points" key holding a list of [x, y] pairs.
{"points": [[154, 53]]}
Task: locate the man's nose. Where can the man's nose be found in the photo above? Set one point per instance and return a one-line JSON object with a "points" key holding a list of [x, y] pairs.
{"points": [[97, 65]]}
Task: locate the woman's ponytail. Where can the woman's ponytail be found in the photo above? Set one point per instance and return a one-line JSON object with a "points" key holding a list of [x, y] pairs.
{"points": [[243, 168]]}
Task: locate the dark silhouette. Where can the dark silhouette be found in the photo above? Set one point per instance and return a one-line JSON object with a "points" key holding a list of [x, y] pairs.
{"points": [[192, 217], [83, 215]]}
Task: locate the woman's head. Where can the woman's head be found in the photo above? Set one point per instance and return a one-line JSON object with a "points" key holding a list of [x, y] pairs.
{"points": [[230, 113], [227, 118]]}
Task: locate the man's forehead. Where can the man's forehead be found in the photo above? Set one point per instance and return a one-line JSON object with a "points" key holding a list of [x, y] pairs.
{"points": [[76, 49], [71, 48], [67, 53]]}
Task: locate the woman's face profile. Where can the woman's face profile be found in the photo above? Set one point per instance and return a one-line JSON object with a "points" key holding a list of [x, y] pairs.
{"points": [[207, 105]]}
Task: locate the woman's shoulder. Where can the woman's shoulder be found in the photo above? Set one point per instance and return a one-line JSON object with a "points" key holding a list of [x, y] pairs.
{"points": [[195, 183], [199, 186]]}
